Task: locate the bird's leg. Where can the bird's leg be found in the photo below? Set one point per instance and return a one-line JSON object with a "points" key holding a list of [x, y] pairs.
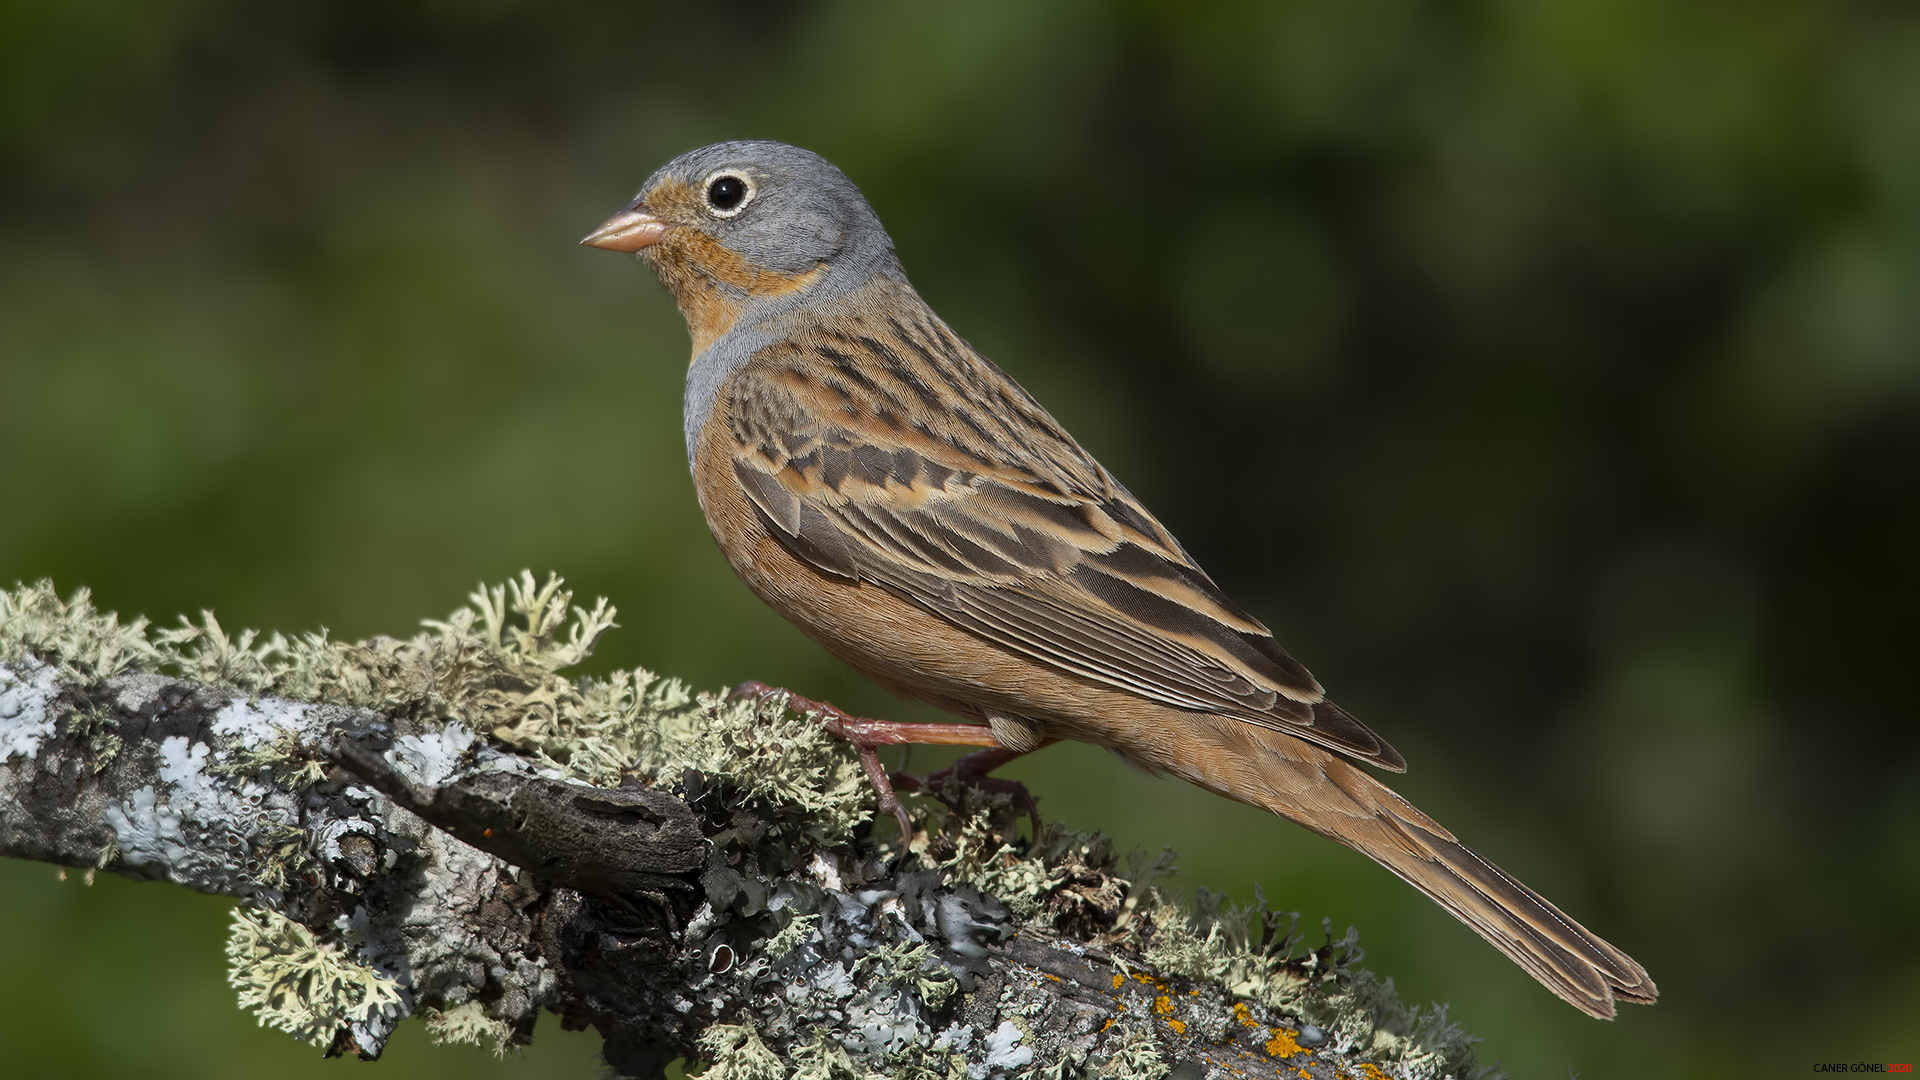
{"points": [[866, 734]]}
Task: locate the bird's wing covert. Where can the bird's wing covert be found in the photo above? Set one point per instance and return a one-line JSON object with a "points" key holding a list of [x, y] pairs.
{"points": [[903, 458]]}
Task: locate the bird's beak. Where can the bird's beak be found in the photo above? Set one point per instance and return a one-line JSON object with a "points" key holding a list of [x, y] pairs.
{"points": [[629, 230]]}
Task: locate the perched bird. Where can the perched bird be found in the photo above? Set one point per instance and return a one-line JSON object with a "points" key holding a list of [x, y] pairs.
{"points": [[904, 502]]}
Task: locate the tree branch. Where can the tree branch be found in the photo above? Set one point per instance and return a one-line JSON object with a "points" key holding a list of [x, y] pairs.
{"points": [[447, 827]]}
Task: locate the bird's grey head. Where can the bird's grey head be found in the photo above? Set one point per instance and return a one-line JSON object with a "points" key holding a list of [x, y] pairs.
{"points": [[745, 216], [745, 235]]}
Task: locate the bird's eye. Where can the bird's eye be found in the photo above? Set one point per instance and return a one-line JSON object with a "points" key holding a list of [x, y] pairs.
{"points": [[728, 193]]}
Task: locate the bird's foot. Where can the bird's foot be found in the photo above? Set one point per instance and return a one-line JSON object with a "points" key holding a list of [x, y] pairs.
{"points": [[867, 734], [971, 770]]}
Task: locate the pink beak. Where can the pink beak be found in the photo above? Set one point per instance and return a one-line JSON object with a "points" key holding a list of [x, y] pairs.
{"points": [[629, 230]]}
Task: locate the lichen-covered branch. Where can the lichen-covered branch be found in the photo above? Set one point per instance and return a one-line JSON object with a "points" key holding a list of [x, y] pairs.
{"points": [[449, 827]]}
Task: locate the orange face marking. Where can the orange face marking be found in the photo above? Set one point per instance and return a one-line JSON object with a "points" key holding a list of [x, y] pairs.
{"points": [[704, 275]]}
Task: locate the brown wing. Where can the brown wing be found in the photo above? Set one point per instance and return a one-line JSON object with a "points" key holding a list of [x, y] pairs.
{"points": [[891, 452]]}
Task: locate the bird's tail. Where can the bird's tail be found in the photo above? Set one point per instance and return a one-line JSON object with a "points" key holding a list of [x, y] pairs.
{"points": [[1328, 795]]}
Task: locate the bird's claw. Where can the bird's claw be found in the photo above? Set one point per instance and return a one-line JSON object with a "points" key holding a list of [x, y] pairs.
{"points": [[972, 770]]}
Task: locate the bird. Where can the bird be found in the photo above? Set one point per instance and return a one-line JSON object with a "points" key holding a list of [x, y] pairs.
{"points": [[910, 507]]}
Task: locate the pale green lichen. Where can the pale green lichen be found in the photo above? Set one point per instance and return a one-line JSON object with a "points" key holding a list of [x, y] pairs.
{"points": [[1071, 1065], [103, 742], [33, 619], [205, 653], [1062, 878], [281, 850], [282, 758], [495, 667], [1138, 1056], [825, 1059], [300, 985], [469, 1023], [787, 760], [737, 1053], [916, 966], [791, 936]]}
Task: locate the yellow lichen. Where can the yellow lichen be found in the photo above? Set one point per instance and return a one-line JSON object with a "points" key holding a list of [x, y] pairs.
{"points": [[1283, 1044]]}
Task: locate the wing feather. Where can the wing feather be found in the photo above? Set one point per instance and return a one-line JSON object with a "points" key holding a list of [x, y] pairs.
{"points": [[1026, 542]]}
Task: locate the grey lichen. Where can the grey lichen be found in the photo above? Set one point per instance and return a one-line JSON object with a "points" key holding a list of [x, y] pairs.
{"points": [[815, 951], [1260, 954], [25, 720]]}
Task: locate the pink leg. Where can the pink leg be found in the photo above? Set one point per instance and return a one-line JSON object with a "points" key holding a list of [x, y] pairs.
{"points": [[866, 734]]}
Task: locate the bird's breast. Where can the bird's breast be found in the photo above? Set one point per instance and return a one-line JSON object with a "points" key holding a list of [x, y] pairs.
{"points": [[711, 372]]}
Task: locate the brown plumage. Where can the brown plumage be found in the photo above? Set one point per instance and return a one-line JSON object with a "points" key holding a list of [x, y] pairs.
{"points": [[906, 504]]}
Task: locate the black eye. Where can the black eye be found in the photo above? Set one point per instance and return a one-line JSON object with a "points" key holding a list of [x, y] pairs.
{"points": [[726, 192]]}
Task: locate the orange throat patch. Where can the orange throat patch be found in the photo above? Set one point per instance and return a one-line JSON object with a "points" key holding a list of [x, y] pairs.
{"points": [[710, 282]]}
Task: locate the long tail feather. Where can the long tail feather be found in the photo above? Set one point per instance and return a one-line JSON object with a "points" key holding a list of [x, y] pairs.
{"points": [[1328, 795]]}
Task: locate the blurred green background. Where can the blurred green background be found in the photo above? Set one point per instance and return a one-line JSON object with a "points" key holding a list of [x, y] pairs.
{"points": [[1545, 372]]}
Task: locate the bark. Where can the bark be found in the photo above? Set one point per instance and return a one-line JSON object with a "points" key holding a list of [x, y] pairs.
{"points": [[431, 871]]}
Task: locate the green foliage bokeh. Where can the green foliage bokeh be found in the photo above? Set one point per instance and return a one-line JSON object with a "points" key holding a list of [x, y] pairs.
{"points": [[1547, 374]]}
